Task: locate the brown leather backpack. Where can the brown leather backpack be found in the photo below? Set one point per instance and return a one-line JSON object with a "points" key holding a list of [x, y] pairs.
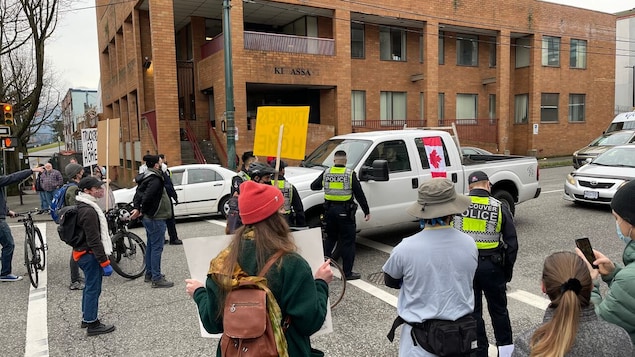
{"points": [[247, 329]]}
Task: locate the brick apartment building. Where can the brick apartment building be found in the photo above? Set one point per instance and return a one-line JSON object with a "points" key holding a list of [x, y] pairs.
{"points": [[525, 77]]}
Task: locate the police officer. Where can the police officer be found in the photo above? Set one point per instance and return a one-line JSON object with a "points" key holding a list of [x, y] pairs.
{"points": [[293, 208], [340, 186], [233, 217], [491, 225]]}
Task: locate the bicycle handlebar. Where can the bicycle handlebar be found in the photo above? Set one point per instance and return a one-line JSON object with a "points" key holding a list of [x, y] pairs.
{"points": [[31, 212]]}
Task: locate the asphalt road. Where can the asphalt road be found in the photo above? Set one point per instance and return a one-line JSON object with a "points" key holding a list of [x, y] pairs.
{"points": [[163, 322]]}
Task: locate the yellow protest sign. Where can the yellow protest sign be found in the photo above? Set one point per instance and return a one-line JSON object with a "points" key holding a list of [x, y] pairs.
{"points": [[268, 121]]}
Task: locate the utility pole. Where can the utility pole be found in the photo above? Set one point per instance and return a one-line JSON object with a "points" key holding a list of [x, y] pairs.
{"points": [[229, 87], [632, 85]]}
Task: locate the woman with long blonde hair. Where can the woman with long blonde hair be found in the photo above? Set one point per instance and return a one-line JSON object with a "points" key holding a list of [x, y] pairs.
{"points": [[570, 326], [300, 297]]}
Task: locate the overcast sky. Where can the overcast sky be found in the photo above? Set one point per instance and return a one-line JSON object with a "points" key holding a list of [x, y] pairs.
{"points": [[72, 51]]}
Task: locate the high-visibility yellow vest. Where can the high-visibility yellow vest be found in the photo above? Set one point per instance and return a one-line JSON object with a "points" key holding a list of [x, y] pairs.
{"points": [[338, 184], [287, 193], [483, 221]]}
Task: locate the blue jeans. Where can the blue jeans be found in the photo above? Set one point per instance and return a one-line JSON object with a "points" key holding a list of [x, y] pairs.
{"points": [[42, 200], [155, 232], [48, 198], [6, 241], [93, 274]]}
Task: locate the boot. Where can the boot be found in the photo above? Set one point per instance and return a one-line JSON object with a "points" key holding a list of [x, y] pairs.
{"points": [[97, 328]]}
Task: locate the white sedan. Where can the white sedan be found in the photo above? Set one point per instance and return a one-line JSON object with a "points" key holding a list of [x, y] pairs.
{"points": [[202, 189], [597, 181]]}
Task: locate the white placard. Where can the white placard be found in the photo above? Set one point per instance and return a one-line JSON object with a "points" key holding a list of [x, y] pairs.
{"points": [[89, 146], [200, 251]]}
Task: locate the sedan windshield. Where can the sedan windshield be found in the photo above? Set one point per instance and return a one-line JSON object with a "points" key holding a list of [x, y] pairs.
{"points": [[621, 157], [323, 155], [617, 138]]}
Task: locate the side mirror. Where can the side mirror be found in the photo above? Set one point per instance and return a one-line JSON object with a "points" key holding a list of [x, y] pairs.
{"points": [[378, 172]]}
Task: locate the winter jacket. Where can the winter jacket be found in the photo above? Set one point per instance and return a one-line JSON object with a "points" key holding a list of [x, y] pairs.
{"points": [[88, 222], [618, 306], [594, 338], [300, 296], [6, 180], [151, 198]]}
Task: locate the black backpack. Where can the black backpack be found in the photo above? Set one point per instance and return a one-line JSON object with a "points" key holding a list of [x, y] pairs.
{"points": [[67, 228]]}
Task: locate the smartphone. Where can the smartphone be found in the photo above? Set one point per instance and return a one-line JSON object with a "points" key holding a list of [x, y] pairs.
{"points": [[585, 246]]}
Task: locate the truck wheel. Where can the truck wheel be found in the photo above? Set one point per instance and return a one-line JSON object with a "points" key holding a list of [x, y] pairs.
{"points": [[313, 221], [507, 199]]}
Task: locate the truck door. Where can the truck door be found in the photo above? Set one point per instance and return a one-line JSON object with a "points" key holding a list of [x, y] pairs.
{"points": [[453, 164], [390, 199]]}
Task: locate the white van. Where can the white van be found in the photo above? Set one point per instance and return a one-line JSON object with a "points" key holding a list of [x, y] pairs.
{"points": [[622, 121]]}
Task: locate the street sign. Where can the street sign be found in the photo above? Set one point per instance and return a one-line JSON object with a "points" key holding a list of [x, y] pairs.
{"points": [[5, 131]]}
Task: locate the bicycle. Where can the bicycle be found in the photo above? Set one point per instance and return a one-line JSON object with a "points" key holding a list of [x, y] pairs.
{"points": [[128, 249], [337, 286], [34, 246]]}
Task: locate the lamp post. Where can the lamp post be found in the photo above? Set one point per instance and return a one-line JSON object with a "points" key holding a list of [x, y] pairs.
{"points": [[632, 84], [229, 87]]}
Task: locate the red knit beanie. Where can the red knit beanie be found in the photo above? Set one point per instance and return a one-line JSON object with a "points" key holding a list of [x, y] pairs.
{"points": [[258, 201]]}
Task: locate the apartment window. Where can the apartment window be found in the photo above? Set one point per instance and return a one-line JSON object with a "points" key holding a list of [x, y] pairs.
{"points": [[392, 44], [550, 51], [576, 108], [357, 40], [492, 108], [392, 107], [466, 108], [421, 107], [467, 50], [441, 107], [577, 54], [521, 109], [441, 47], [522, 52], [492, 52], [549, 107], [358, 107]]}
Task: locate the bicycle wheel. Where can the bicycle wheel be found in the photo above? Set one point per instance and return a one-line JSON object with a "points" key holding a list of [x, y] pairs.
{"points": [[128, 257], [337, 287], [29, 257], [40, 249]]}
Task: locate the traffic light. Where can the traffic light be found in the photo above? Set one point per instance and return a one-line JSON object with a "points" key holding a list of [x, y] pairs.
{"points": [[7, 114], [9, 142]]}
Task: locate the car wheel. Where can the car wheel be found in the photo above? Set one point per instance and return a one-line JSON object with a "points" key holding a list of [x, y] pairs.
{"points": [[507, 199], [223, 206]]}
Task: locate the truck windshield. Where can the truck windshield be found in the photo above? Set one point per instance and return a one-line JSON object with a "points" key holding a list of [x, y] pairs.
{"points": [[323, 155]]}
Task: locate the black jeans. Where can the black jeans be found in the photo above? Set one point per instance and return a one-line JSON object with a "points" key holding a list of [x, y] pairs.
{"points": [[490, 281], [171, 224], [340, 227]]}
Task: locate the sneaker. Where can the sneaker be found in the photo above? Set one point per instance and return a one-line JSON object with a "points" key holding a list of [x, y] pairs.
{"points": [[176, 242], [10, 277], [148, 278], [162, 283], [97, 328], [84, 324], [76, 285], [353, 276]]}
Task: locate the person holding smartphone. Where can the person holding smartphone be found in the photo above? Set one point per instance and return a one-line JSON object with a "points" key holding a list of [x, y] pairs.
{"points": [[618, 305], [570, 326]]}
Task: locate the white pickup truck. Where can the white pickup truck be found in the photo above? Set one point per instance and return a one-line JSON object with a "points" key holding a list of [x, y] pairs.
{"points": [[392, 164]]}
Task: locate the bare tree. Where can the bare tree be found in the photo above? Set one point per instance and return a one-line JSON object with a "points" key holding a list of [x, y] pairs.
{"points": [[25, 26]]}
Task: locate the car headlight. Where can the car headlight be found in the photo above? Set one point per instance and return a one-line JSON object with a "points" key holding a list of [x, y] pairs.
{"points": [[570, 179]]}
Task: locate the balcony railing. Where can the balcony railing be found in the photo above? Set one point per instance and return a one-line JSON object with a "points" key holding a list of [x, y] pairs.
{"points": [[288, 43], [471, 131]]}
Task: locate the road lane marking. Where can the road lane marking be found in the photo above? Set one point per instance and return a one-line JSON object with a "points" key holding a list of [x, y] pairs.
{"points": [[217, 222], [552, 191], [36, 319]]}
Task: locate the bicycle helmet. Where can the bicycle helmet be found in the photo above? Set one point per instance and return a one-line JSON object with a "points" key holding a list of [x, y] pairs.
{"points": [[259, 169]]}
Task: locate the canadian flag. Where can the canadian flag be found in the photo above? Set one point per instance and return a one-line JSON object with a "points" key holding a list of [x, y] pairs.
{"points": [[436, 158]]}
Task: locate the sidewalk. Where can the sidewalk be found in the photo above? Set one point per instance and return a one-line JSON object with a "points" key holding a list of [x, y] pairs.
{"points": [[30, 200]]}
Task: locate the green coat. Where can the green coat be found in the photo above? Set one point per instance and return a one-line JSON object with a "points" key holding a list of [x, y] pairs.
{"points": [[618, 306], [299, 295]]}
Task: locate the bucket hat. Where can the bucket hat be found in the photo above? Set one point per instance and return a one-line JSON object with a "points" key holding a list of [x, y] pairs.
{"points": [[437, 198]]}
